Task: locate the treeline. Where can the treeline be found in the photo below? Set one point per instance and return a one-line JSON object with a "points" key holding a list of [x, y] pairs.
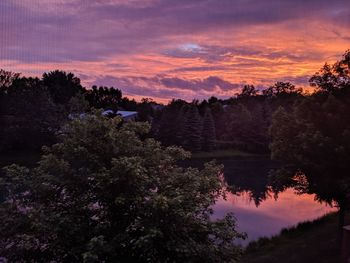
{"points": [[241, 122], [32, 110], [244, 121]]}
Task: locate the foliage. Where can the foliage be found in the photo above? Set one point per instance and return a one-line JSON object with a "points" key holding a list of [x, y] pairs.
{"points": [[78, 104], [332, 78], [168, 132], [6, 79], [98, 197], [192, 129], [281, 88], [29, 115], [61, 86], [247, 91], [104, 98], [314, 137], [208, 132]]}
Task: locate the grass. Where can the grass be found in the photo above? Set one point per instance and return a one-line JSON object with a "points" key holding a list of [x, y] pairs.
{"points": [[314, 241], [224, 154]]}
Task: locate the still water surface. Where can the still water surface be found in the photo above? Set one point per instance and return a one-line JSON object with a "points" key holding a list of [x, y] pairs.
{"points": [[259, 213], [271, 215]]}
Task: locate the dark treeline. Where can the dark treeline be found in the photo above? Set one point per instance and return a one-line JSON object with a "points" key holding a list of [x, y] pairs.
{"points": [[32, 110], [241, 122]]}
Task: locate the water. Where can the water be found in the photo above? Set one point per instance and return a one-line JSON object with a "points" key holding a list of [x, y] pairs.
{"points": [[258, 211], [271, 215]]}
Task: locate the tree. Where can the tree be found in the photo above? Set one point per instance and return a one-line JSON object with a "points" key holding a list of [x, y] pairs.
{"points": [[62, 86], [314, 139], [78, 104], [281, 88], [208, 132], [333, 78], [247, 91], [104, 98], [238, 126], [212, 100], [29, 115], [6, 79], [180, 125], [145, 109], [99, 197], [192, 129], [168, 131], [218, 112]]}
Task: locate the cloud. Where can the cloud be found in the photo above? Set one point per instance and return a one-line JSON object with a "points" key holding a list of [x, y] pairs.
{"points": [[169, 87], [190, 46], [209, 84], [91, 30]]}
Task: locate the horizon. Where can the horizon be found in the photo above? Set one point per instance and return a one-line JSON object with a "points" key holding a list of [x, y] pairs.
{"points": [[163, 50]]}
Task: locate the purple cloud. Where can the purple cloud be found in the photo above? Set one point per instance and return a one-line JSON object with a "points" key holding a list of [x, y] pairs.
{"points": [[93, 30], [170, 87]]}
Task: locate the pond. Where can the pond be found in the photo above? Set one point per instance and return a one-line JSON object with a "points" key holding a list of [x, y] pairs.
{"points": [[258, 211]]}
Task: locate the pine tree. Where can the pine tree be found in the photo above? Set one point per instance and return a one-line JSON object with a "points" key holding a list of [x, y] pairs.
{"points": [[168, 126], [180, 125], [192, 130], [208, 132]]}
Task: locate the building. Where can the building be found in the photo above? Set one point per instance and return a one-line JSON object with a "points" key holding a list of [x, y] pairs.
{"points": [[127, 115]]}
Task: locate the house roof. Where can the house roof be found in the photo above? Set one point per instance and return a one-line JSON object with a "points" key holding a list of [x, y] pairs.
{"points": [[107, 112], [126, 114]]}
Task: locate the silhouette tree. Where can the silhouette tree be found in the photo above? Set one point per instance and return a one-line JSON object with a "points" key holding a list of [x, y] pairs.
{"points": [[62, 86], [29, 115], [192, 129], [333, 78], [238, 126], [281, 88], [6, 79], [168, 131], [314, 138], [247, 91], [180, 125], [208, 132], [104, 98]]}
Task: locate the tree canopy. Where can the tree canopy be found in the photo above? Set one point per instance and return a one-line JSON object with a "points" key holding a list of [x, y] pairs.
{"points": [[96, 196], [62, 86], [314, 136]]}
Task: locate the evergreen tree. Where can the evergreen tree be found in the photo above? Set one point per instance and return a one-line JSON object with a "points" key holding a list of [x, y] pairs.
{"points": [[192, 130], [208, 132], [168, 126], [180, 124]]}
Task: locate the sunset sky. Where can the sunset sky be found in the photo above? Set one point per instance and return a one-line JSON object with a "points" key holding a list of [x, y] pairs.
{"points": [[174, 48]]}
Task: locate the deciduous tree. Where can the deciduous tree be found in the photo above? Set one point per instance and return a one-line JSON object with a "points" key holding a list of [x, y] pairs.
{"points": [[103, 194]]}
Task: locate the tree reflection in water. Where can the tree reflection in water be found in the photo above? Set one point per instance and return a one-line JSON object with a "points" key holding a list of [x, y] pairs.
{"points": [[266, 198]]}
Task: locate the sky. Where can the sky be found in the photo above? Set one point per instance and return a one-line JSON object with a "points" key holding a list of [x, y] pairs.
{"points": [[164, 49]]}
